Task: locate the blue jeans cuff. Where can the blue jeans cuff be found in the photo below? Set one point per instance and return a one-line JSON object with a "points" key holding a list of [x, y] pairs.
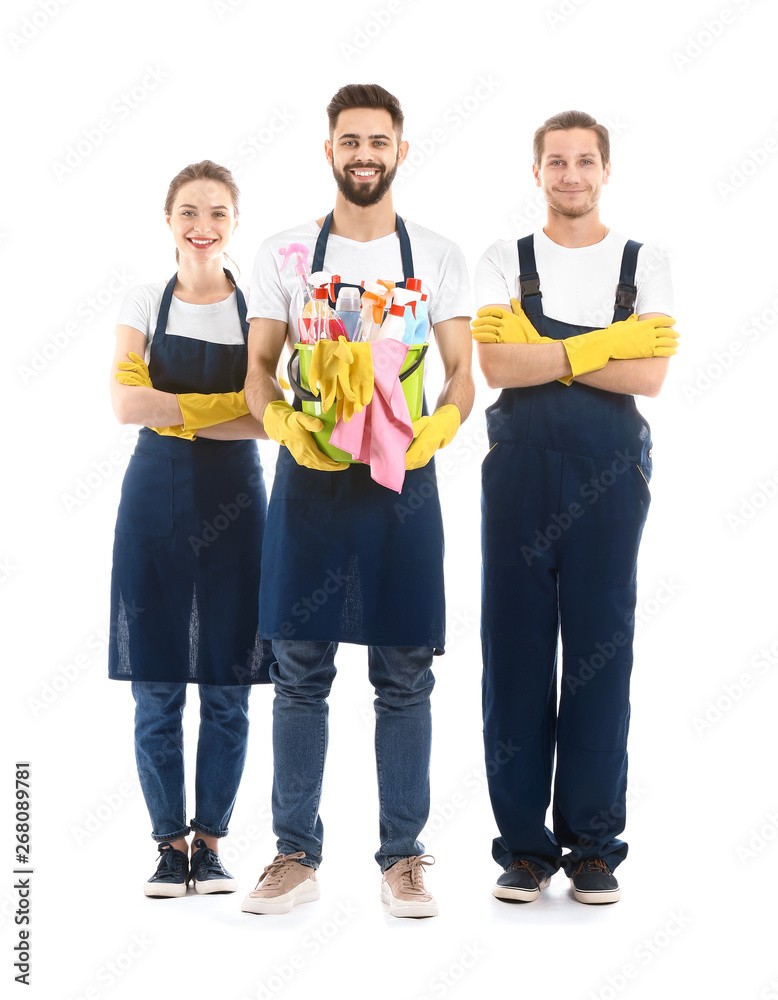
{"points": [[172, 836], [209, 830], [569, 864], [388, 862], [308, 861]]}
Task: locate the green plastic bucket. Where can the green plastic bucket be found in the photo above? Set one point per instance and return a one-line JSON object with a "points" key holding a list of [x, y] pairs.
{"points": [[411, 377]]}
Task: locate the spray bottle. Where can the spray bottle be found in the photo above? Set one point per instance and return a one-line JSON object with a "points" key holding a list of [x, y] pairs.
{"points": [[417, 330], [373, 303], [325, 324], [300, 252], [393, 327]]}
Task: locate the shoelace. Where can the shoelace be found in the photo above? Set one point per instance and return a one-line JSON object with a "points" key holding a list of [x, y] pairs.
{"points": [[530, 866], [411, 874], [596, 865], [171, 863], [275, 871], [208, 863]]}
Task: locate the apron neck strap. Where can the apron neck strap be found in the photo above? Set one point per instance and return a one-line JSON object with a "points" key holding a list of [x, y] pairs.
{"points": [[402, 234], [164, 307], [167, 298]]}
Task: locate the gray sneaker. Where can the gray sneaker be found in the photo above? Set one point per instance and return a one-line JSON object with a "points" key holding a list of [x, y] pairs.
{"points": [[403, 888], [521, 882], [283, 884], [594, 882]]}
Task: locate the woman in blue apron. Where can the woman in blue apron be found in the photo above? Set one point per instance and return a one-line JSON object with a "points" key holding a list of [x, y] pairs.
{"points": [[187, 549], [564, 499]]}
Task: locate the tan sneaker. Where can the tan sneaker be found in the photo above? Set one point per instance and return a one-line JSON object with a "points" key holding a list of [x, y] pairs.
{"points": [[403, 888], [283, 884]]}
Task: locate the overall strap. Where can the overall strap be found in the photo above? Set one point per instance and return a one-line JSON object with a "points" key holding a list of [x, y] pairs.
{"points": [[626, 290], [402, 233], [529, 279]]}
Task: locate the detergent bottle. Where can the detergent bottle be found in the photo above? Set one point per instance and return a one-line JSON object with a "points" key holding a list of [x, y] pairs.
{"points": [[348, 308], [300, 252]]}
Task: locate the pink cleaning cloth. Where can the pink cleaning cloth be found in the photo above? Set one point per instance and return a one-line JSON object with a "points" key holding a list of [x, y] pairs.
{"points": [[379, 434]]}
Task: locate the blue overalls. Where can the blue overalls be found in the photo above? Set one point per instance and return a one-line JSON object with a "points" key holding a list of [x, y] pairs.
{"points": [[564, 499], [186, 558], [345, 559]]}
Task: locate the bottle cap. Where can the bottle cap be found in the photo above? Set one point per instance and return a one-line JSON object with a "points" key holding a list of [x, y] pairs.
{"points": [[349, 300]]}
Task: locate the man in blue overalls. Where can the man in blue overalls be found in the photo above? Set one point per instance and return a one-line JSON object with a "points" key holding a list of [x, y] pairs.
{"points": [[565, 496], [344, 560]]}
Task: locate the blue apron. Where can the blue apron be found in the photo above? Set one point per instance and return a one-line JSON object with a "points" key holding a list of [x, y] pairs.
{"points": [[187, 548], [564, 499], [345, 559]]}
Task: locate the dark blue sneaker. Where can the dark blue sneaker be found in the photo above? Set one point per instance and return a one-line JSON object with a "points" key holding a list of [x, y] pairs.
{"points": [[521, 882], [207, 871], [170, 878], [594, 882]]}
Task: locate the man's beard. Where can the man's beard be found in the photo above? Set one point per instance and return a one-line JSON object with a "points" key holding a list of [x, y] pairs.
{"points": [[362, 194], [557, 204]]}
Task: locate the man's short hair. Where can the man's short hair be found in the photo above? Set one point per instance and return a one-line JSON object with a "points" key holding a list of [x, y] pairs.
{"points": [[365, 95], [566, 120]]}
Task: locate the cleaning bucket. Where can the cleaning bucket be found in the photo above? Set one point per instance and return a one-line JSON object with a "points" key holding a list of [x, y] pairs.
{"points": [[411, 377]]}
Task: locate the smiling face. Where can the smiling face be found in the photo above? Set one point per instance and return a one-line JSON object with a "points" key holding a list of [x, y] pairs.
{"points": [[571, 172], [202, 220], [364, 154]]}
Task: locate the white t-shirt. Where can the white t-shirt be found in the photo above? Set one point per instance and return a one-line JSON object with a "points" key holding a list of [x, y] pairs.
{"points": [[578, 283], [217, 322], [437, 261]]}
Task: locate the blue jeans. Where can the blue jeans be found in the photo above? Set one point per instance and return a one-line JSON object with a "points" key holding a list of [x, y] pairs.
{"points": [[402, 678], [159, 752]]}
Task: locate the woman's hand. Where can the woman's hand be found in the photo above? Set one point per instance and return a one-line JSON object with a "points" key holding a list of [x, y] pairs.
{"points": [[133, 372]]}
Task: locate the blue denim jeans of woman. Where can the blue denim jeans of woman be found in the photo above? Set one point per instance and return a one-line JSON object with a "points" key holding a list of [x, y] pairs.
{"points": [[159, 752], [403, 680]]}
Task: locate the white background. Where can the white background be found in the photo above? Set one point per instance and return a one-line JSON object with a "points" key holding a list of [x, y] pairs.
{"points": [[688, 94]]}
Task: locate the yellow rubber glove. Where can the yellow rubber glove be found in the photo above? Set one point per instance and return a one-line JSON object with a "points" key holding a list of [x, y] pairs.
{"points": [[361, 382], [206, 409], [133, 372], [344, 371], [176, 430], [494, 325], [293, 429], [329, 369], [432, 433], [629, 338], [136, 372]]}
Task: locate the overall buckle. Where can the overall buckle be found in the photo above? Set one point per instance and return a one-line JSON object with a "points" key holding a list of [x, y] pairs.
{"points": [[625, 296], [529, 284]]}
